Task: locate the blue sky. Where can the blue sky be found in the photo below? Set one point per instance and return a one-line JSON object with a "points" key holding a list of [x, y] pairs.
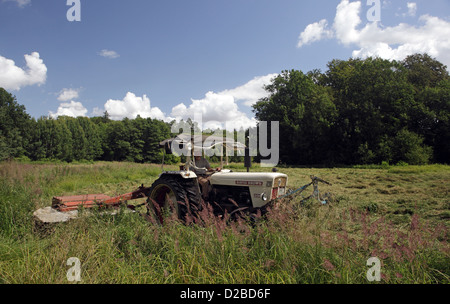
{"points": [[170, 59]]}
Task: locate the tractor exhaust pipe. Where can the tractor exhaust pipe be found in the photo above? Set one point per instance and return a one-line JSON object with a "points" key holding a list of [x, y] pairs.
{"points": [[247, 159]]}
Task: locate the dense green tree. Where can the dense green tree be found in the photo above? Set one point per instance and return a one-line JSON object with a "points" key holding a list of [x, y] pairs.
{"points": [[135, 138], [360, 111], [373, 98], [35, 147], [430, 116], [424, 71], [14, 125], [117, 145], [408, 147], [52, 139], [154, 131], [78, 142], [93, 138], [433, 121], [305, 112], [65, 141]]}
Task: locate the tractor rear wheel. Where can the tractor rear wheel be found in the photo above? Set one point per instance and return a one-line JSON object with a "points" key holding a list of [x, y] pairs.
{"points": [[173, 193]]}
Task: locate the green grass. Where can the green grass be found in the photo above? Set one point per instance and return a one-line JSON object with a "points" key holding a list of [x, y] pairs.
{"points": [[399, 214]]}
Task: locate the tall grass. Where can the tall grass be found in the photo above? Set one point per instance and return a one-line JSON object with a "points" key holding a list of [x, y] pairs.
{"points": [[292, 243]]}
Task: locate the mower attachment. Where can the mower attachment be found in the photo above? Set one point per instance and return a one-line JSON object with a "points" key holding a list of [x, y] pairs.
{"points": [[70, 203]]}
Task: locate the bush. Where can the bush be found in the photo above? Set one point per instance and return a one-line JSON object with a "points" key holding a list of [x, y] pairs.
{"points": [[408, 147]]}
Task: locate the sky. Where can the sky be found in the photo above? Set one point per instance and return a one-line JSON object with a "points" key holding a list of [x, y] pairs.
{"points": [[175, 59]]}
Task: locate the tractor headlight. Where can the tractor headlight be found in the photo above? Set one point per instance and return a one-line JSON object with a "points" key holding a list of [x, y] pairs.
{"points": [[264, 197]]}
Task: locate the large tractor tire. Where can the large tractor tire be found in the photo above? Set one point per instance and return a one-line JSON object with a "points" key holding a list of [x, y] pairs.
{"points": [[171, 193]]}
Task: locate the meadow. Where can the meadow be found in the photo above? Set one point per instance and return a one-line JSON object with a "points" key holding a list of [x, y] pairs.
{"points": [[399, 214]]}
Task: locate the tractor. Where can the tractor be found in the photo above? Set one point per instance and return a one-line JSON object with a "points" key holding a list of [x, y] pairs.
{"points": [[229, 192]]}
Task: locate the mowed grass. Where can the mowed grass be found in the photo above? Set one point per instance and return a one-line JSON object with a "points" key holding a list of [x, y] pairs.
{"points": [[398, 214]]}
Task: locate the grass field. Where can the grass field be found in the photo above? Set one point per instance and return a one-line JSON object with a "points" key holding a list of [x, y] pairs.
{"points": [[398, 214]]}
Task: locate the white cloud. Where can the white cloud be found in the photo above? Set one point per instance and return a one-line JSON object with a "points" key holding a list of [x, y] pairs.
{"points": [[130, 107], [346, 21], [68, 94], [314, 32], [13, 77], [252, 91], [73, 109], [109, 54], [215, 111], [393, 42], [412, 9], [220, 110]]}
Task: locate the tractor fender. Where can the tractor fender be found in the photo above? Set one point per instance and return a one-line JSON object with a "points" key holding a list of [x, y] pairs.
{"points": [[183, 174]]}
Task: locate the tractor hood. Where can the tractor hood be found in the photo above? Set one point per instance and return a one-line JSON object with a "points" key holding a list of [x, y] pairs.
{"points": [[258, 179], [263, 187]]}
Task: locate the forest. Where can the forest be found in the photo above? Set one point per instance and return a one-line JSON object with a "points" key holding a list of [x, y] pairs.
{"points": [[358, 111]]}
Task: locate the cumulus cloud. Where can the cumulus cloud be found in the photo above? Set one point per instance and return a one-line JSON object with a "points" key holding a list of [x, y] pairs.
{"points": [[252, 91], [215, 110], [73, 109], [13, 77], [68, 94], [392, 42], [314, 32], [108, 54], [221, 110], [346, 21], [132, 106]]}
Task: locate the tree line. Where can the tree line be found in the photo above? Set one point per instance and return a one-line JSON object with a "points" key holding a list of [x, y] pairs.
{"points": [[357, 112], [77, 139], [362, 112]]}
